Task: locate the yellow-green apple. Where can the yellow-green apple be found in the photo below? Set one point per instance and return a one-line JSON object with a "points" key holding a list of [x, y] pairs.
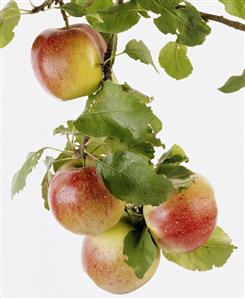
{"points": [[104, 261], [81, 203], [68, 62], [186, 220]]}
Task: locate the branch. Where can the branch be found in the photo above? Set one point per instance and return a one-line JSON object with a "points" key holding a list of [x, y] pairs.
{"points": [[45, 4], [110, 53], [220, 19]]}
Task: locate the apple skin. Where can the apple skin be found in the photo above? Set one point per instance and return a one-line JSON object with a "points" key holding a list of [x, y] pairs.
{"points": [[67, 62], [103, 261], [186, 220], [81, 203]]}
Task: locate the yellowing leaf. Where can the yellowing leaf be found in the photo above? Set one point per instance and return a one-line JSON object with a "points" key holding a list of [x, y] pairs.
{"points": [[173, 58], [9, 18], [214, 253]]}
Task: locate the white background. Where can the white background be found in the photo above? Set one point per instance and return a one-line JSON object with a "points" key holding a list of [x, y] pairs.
{"points": [[40, 258]]}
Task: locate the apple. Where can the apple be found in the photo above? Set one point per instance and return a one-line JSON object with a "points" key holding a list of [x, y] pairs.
{"points": [[68, 62], [186, 220], [81, 203], [104, 262]]}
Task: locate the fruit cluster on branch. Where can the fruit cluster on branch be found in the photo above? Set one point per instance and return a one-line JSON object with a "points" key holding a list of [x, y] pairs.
{"points": [[104, 184]]}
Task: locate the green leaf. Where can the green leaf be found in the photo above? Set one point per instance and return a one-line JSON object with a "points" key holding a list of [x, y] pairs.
{"points": [[19, 179], [115, 113], [140, 251], [192, 29], [174, 171], [118, 18], [45, 185], [73, 9], [139, 51], [98, 5], [233, 84], [214, 253], [168, 21], [173, 58], [235, 7], [140, 97], [130, 178], [10, 17], [185, 22], [175, 155], [92, 12]]}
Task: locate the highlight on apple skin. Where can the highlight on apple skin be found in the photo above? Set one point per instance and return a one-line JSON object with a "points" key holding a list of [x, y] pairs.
{"points": [[185, 221], [104, 262], [81, 203], [68, 62]]}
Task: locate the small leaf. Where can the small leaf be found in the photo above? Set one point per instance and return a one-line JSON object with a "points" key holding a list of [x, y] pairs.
{"points": [[235, 7], [130, 178], [73, 9], [10, 17], [192, 30], [233, 84], [45, 185], [19, 179], [140, 251], [214, 253], [138, 50], [69, 129], [173, 58], [175, 155], [118, 18], [174, 171]]}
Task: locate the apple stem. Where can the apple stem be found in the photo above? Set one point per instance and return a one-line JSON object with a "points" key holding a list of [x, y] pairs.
{"points": [[64, 15]]}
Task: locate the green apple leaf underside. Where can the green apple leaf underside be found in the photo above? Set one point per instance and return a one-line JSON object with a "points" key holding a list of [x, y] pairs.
{"points": [[235, 7], [19, 179], [174, 60], [130, 178], [172, 171], [140, 251], [234, 83], [214, 253], [44, 187], [115, 113], [9, 19], [139, 51]]}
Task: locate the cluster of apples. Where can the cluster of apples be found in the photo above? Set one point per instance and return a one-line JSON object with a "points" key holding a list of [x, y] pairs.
{"points": [[81, 203], [68, 62]]}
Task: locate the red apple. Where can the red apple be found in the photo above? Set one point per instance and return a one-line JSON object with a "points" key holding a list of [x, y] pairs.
{"points": [[185, 221], [81, 203], [104, 261], [67, 62]]}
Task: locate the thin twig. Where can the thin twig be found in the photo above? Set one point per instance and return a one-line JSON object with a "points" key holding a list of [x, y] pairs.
{"points": [[45, 4]]}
